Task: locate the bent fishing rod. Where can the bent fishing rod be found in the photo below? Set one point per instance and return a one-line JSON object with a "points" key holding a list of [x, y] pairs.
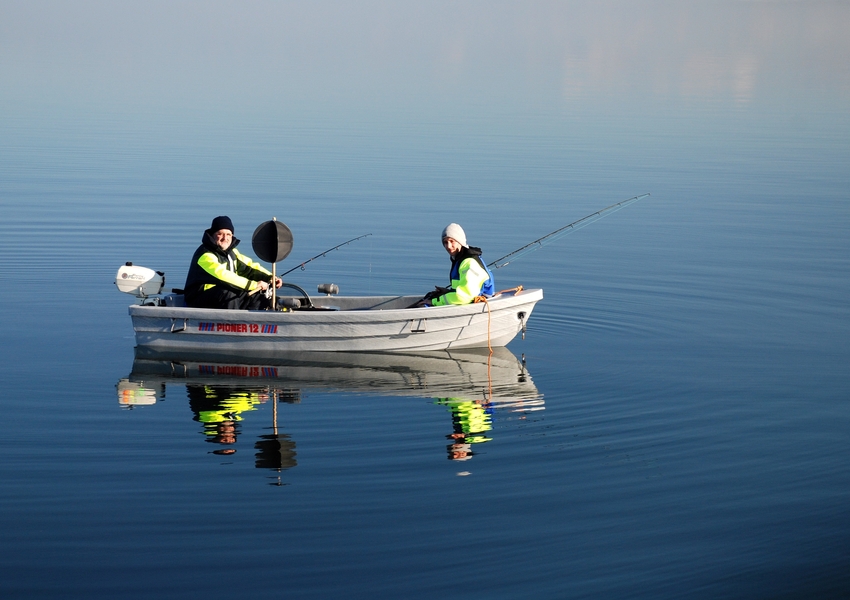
{"points": [[302, 266], [558, 233]]}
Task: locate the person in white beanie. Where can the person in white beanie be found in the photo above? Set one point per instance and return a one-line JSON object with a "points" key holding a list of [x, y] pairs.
{"points": [[469, 276]]}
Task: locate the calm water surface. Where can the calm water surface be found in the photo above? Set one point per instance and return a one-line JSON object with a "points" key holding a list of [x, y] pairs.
{"points": [[675, 422]]}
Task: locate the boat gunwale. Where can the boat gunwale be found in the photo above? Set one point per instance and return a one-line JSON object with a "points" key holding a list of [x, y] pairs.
{"points": [[328, 314]]}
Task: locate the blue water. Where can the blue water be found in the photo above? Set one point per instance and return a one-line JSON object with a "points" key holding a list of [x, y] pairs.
{"points": [[679, 426]]}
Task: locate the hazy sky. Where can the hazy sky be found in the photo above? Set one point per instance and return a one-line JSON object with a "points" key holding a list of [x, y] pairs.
{"points": [[259, 51]]}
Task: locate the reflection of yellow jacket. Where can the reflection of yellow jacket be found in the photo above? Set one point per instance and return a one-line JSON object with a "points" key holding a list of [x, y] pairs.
{"points": [[469, 418], [229, 409]]}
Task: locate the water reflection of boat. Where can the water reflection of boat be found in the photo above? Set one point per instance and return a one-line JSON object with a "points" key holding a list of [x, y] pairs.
{"points": [[500, 377], [222, 389]]}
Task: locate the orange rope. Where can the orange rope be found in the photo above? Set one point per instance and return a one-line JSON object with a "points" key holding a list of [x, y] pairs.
{"points": [[489, 318], [489, 377], [483, 299], [515, 290]]}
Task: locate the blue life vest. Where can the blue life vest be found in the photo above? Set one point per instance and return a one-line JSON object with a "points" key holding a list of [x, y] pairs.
{"points": [[489, 286]]}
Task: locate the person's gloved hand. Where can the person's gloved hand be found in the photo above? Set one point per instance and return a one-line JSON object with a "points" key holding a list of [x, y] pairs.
{"points": [[437, 292]]}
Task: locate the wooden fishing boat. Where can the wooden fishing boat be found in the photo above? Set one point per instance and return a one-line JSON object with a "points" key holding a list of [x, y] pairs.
{"points": [[322, 323]]}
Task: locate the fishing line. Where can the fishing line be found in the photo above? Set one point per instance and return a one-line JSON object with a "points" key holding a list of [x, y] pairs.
{"points": [[302, 266], [558, 233]]}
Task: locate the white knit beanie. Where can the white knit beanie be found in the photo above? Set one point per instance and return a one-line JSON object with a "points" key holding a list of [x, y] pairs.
{"points": [[455, 231]]}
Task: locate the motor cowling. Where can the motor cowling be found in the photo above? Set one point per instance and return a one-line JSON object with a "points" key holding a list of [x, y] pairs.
{"points": [[140, 282]]}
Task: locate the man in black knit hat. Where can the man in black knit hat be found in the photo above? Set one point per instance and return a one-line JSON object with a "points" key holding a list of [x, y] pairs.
{"points": [[222, 277]]}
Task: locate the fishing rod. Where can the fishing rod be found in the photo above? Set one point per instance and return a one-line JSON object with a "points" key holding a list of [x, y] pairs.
{"points": [[321, 254], [550, 237]]}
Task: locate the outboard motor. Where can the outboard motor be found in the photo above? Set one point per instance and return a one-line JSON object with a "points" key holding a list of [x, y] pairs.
{"points": [[140, 282], [132, 394]]}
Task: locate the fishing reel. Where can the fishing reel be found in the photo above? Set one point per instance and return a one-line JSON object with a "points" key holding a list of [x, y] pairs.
{"points": [[282, 303], [290, 303], [329, 289]]}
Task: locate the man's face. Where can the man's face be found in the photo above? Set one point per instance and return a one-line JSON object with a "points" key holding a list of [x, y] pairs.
{"points": [[223, 238], [451, 245]]}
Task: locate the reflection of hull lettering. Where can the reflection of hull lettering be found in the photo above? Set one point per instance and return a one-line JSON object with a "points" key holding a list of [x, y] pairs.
{"points": [[237, 327], [237, 370]]}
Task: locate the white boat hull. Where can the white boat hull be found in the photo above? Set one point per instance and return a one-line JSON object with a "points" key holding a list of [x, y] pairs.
{"points": [[339, 324]]}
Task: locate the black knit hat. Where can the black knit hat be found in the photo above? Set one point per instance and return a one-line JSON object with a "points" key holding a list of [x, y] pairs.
{"points": [[221, 223]]}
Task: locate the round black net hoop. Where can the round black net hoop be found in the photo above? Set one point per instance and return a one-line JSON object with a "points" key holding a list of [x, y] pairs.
{"points": [[272, 241]]}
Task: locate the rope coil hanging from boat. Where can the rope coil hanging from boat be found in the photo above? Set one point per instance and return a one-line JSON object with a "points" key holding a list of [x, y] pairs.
{"points": [[558, 233], [478, 299]]}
